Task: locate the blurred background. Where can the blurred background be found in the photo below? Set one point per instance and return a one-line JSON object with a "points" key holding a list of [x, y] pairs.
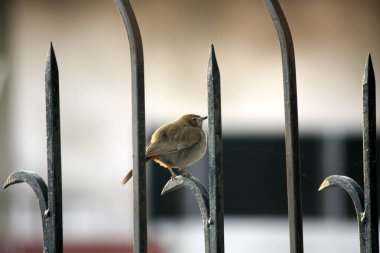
{"points": [[331, 39]]}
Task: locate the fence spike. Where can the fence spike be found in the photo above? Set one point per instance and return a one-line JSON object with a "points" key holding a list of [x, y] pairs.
{"points": [[50, 196], [369, 156], [367, 210], [138, 126], [293, 169], [215, 151], [53, 131]]}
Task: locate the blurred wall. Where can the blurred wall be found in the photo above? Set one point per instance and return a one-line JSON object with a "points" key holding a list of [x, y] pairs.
{"points": [[331, 40]]}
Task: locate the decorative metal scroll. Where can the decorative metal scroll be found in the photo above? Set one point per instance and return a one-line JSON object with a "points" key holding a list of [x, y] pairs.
{"points": [[201, 195]]}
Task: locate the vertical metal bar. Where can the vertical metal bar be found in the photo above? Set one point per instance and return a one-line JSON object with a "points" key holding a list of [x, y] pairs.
{"points": [[215, 150], [369, 157], [138, 127], [54, 212], [293, 169]]}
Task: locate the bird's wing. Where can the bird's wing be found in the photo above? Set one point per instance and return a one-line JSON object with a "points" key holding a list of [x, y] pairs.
{"points": [[171, 140]]}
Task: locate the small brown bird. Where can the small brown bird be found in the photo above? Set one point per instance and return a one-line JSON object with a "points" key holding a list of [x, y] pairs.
{"points": [[177, 145]]}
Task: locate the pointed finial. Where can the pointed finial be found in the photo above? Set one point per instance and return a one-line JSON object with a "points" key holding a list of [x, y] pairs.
{"points": [[369, 76], [212, 50], [213, 69], [51, 53], [51, 70]]}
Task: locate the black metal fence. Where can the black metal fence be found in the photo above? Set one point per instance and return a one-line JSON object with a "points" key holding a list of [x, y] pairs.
{"points": [[210, 201]]}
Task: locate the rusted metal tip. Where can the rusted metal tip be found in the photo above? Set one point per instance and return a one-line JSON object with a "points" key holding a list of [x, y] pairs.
{"points": [[324, 185], [8, 182], [173, 184], [15, 178]]}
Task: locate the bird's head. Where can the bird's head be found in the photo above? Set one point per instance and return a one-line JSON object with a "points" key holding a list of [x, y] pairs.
{"points": [[193, 120]]}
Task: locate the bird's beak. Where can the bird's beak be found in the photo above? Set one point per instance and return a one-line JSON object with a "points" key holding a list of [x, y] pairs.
{"points": [[204, 118]]}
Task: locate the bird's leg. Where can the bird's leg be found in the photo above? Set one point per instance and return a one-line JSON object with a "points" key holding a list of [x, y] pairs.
{"points": [[184, 172], [172, 172]]}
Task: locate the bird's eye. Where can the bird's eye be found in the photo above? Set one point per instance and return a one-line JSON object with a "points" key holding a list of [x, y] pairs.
{"points": [[194, 120]]}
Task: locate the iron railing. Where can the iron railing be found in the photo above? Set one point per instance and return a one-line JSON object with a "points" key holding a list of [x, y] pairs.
{"points": [[50, 196], [210, 202], [365, 203], [138, 126]]}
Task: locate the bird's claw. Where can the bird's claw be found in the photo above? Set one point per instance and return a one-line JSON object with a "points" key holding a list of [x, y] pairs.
{"points": [[186, 174]]}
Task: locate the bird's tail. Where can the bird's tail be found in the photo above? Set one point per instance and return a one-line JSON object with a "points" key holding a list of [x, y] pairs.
{"points": [[126, 178], [129, 174]]}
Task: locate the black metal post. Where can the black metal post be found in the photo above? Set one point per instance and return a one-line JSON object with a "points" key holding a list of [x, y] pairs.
{"points": [[293, 169], [365, 203], [50, 197], [54, 211], [138, 127], [369, 157], [215, 149]]}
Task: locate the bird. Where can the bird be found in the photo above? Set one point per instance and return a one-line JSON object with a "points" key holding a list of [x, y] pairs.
{"points": [[177, 145]]}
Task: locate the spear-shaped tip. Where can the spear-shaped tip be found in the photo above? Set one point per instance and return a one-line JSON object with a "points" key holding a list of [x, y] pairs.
{"points": [[369, 75], [51, 70], [51, 62], [212, 63], [369, 59], [212, 50], [51, 53]]}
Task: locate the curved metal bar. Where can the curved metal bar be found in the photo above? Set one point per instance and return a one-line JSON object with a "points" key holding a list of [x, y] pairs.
{"points": [[357, 196], [369, 156], [350, 186], [40, 189], [293, 169], [138, 126], [34, 181], [201, 195], [215, 151]]}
